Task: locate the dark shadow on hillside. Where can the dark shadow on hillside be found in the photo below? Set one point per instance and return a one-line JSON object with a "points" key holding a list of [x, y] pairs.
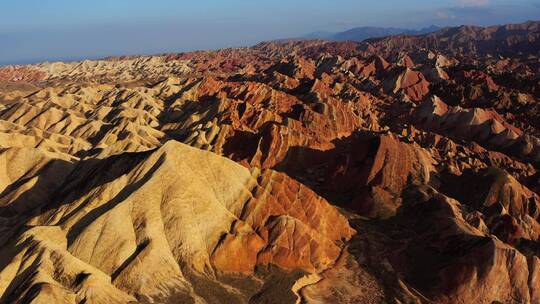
{"points": [[49, 177], [91, 216], [340, 174], [76, 180]]}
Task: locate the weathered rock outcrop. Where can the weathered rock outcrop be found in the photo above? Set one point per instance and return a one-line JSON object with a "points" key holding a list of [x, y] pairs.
{"points": [[444, 248], [484, 126], [124, 227]]}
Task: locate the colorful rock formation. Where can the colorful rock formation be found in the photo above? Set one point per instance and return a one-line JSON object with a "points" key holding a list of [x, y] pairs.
{"points": [[398, 170]]}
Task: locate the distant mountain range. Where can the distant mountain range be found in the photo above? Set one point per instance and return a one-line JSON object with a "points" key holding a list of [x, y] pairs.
{"points": [[465, 40], [368, 32]]}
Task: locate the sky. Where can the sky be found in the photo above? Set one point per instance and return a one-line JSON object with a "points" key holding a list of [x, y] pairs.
{"points": [[39, 30]]}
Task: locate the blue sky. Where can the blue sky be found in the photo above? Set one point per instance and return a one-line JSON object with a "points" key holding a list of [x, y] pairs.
{"points": [[35, 30]]}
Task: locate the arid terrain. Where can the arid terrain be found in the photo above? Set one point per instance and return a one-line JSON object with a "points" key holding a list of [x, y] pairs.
{"points": [[403, 169]]}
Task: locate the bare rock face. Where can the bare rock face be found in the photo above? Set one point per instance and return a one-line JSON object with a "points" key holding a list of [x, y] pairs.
{"points": [[506, 40], [411, 83], [484, 126], [128, 230], [397, 170], [21, 74], [505, 207], [459, 245], [373, 171]]}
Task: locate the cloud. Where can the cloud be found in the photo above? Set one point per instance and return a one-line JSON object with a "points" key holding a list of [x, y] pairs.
{"points": [[464, 14], [482, 12], [473, 3], [444, 15]]}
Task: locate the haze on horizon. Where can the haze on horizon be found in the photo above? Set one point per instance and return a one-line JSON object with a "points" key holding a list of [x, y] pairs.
{"points": [[39, 30]]}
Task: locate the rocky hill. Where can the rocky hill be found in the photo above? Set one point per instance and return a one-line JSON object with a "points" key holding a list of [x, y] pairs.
{"points": [[504, 40]]}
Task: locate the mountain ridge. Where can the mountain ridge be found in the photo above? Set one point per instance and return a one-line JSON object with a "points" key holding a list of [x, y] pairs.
{"points": [[366, 32]]}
